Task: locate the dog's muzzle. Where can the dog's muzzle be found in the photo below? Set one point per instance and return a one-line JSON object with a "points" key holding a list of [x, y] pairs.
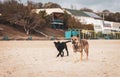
{"points": [[76, 47], [73, 42]]}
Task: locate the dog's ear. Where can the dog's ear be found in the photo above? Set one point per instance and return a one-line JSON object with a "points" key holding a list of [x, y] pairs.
{"points": [[77, 36]]}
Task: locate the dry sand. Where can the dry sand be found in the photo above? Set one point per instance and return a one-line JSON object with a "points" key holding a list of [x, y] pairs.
{"points": [[38, 59]]}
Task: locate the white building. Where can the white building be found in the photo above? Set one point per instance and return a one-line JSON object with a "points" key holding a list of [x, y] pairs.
{"points": [[87, 18], [107, 27], [115, 27], [100, 25]]}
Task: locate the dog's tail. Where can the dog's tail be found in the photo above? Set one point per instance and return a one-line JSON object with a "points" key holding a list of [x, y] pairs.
{"points": [[67, 41]]}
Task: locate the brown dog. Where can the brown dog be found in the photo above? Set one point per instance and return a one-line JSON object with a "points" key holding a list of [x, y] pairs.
{"points": [[79, 45]]}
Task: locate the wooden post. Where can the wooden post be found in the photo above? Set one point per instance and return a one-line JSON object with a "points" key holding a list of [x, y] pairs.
{"points": [[94, 34], [83, 35]]}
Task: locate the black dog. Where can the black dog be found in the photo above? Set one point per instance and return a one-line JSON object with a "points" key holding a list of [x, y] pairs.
{"points": [[60, 47]]}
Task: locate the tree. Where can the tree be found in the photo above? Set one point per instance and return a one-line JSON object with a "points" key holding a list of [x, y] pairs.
{"points": [[106, 11], [31, 4], [86, 9], [110, 16], [73, 23], [51, 5], [88, 26], [117, 16], [35, 5], [18, 14], [39, 5]]}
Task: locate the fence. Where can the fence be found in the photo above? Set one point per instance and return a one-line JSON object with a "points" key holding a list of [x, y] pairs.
{"points": [[90, 34], [7, 38]]}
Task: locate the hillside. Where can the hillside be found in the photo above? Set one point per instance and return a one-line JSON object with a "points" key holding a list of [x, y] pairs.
{"points": [[53, 32], [10, 31], [15, 33]]}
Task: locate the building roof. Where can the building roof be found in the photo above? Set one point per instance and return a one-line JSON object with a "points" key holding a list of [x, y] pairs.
{"points": [[69, 11], [50, 10], [82, 13], [77, 12], [93, 15]]}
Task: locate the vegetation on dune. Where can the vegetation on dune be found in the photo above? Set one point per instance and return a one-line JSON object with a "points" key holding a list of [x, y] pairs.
{"points": [[21, 15]]}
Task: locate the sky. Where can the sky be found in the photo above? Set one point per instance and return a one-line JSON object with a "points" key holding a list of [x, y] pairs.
{"points": [[95, 5]]}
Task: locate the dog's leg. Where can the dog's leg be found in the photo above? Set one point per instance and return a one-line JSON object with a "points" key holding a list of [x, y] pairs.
{"points": [[81, 54], [67, 50], [87, 52], [62, 54], [59, 54]]}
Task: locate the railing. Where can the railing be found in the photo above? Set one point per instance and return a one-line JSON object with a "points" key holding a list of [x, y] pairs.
{"points": [[90, 34]]}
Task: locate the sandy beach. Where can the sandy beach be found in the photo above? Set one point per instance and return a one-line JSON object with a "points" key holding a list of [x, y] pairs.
{"points": [[38, 59]]}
